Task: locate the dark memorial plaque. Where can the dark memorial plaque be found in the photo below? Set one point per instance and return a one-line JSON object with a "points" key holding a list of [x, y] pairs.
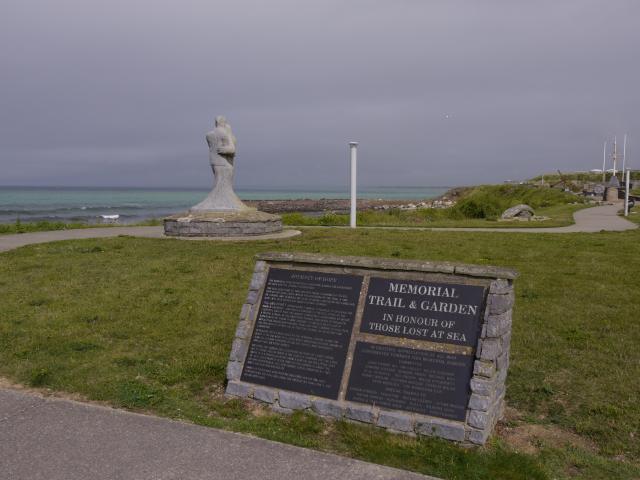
{"points": [[419, 381], [302, 331], [433, 311]]}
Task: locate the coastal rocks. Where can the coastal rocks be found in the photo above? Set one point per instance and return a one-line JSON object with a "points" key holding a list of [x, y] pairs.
{"points": [[521, 211], [443, 202]]}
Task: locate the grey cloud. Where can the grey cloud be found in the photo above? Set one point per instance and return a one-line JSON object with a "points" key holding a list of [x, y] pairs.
{"points": [[122, 92]]}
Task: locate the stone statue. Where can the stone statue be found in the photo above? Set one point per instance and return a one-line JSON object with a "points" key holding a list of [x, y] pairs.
{"points": [[222, 213], [222, 152]]}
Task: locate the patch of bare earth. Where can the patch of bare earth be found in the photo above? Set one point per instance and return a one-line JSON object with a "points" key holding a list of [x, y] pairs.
{"points": [[530, 437]]}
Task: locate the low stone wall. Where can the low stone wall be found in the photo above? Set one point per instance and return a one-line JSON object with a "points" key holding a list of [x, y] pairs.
{"points": [[222, 224], [487, 386]]}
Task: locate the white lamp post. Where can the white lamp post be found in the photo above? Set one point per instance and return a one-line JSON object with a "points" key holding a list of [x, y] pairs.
{"points": [[626, 194], [354, 160]]}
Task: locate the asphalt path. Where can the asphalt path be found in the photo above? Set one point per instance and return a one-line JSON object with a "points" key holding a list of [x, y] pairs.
{"points": [[595, 219], [45, 438]]}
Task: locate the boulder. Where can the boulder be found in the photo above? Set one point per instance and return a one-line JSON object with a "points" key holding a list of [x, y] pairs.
{"points": [[519, 211]]}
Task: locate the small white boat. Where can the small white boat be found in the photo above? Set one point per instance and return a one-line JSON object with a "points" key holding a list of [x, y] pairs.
{"points": [[110, 217]]}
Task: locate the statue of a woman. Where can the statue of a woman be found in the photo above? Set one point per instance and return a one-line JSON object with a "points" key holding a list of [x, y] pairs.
{"points": [[222, 151]]}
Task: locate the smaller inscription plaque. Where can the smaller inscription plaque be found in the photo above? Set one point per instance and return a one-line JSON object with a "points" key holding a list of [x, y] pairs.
{"points": [[302, 331], [433, 311], [420, 381]]}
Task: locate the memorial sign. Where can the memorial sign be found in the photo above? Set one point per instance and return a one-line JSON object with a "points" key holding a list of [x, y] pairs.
{"points": [[416, 347]]}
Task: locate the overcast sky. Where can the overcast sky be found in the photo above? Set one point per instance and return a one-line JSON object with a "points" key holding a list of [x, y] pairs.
{"points": [[438, 92]]}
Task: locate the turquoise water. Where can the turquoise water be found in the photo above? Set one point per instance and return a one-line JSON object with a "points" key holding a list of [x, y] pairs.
{"points": [[135, 204]]}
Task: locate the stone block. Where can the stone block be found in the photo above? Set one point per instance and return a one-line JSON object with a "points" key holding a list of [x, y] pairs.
{"points": [[501, 388], [260, 266], [500, 286], [485, 271], [234, 370], [244, 329], [239, 389], [327, 408], [497, 304], [506, 342], [440, 428], [278, 409], [484, 368], [257, 280], [479, 419], [491, 349], [479, 437], [239, 350], [502, 376], [265, 394], [252, 297], [479, 402], [293, 400], [482, 386], [360, 413], [244, 312], [498, 325], [402, 422], [502, 363]]}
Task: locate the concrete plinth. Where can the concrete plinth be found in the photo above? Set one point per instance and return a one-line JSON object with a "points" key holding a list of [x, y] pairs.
{"points": [[222, 224], [612, 194]]}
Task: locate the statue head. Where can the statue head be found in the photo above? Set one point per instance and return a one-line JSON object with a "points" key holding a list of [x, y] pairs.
{"points": [[221, 121]]}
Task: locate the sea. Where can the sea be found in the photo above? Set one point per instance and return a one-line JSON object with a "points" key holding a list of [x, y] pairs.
{"points": [[131, 205]]}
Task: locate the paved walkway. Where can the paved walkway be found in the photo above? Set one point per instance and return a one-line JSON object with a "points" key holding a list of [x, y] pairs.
{"points": [[594, 219], [9, 242], [588, 220], [54, 439]]}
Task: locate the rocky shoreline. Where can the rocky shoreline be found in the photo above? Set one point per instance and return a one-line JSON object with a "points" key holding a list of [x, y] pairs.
{"points": [[341, 205]]}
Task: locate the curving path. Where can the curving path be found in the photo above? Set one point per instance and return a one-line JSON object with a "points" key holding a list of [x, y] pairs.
{"points": [[55, 439], [593, 219], [9, 242]]}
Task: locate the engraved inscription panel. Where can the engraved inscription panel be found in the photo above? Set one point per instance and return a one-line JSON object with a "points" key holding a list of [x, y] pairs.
{"points": [[302, 331], [433, 311], [420, 381]]}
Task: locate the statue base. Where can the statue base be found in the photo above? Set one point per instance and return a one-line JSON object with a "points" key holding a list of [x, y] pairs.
{"points": [[222, 224]]}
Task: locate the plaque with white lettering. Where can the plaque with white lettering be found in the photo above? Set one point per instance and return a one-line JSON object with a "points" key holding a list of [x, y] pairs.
{"points": [[433, 311], [302, 331], [420, 381]]}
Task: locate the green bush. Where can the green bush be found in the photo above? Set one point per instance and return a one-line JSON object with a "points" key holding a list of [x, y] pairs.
{"points": [[489, 201]]}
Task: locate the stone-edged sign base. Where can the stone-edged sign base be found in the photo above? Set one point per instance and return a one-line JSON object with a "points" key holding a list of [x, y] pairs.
{"points": [[410, 346], [222, 224]]}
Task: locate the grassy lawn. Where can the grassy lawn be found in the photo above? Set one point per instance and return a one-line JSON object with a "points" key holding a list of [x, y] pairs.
{"points": [[634, 214], [559, 216], [146, 324], [43, 226]]}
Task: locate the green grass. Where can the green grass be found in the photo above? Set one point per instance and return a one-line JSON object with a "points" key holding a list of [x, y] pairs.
{"points": [[551, 178], [42, 226], [478, 207], [559, 216], [147, 324], [634, 214]]}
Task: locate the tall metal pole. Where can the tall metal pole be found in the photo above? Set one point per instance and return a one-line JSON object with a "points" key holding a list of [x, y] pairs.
{"points": [[624, 154], [626, 194], [354, 169], [604, 161], [615, 156]]}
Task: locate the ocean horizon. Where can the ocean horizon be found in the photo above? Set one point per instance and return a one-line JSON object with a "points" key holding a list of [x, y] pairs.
{"points": [[129, 204]]}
